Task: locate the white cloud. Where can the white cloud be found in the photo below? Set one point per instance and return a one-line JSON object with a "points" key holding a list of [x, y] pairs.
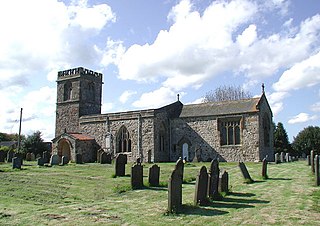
{"points": [[106, 107], [303, 74], [248, 36], [126, 95], [302, 117], [316, 107]]}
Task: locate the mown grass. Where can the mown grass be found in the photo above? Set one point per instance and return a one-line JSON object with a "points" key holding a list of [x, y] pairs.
{"points": [[89, 194]]}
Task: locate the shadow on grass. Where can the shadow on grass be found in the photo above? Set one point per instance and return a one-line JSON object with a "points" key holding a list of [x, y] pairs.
{"points": [[279, 179], [241, 194], [200, 211]]}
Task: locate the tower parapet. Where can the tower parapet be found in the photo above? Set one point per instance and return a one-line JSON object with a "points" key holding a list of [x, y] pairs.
{"points": [[78, 72]]}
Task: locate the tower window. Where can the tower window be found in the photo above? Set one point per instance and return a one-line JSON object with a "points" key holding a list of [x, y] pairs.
{"points": [[67, 94]]}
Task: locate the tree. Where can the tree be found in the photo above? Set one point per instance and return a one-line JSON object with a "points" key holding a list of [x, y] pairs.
{"points": [[34, 143], [308, 139], [224, 93], [281, 141], [9, 137]]}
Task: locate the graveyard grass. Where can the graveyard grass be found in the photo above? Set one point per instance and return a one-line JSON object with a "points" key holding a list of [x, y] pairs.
{"points": [[89, 194]]}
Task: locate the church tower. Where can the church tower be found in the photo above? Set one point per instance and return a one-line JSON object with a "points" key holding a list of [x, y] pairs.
{"points": [[79, 93]]}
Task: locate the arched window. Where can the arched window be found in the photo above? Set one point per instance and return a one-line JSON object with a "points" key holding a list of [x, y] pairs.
{"points": [[162, 140], [67, 93], [266, 130], [124, 140]]}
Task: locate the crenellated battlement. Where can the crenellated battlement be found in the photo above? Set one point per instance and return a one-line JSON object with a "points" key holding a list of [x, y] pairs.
{"points": [[78, 71]]}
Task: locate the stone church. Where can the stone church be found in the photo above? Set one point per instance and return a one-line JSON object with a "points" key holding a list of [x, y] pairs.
{"points": [[239, 130]]}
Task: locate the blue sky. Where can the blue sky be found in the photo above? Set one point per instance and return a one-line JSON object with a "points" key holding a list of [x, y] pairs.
{"points": [[149, 51]]}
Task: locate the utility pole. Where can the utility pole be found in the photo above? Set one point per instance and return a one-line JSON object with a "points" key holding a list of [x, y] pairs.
{"points": [[19, 136]]}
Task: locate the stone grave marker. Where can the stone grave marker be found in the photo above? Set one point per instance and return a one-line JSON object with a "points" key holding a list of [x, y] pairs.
{"points": [[175, 192], [105, 158], [264, 168], [10, 155], [154, 175], [200, 196], [33, 157], [245, 172], [20, 156], [46, 156], [224, 182], [180, 168], [312, 161], [79, 159], [308, 160], [120, 165], [40, 161], [16, 163], [276, 158], [213, 180], [54, 160], [282, 157], [64, 160], [2, 156], [136, 176], [287, 157], [316, 170], [99, 152]]}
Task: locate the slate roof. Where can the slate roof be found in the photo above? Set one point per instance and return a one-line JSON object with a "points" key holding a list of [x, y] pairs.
{"points": [[221, 108], [8, 143]]}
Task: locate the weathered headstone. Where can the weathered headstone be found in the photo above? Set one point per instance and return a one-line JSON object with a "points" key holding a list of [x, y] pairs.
{"points": [[54, 160], [154, 174], [64, 160], [276, 158], [312, 161], [287, 157], [213, 181], [2, 156], [137, 176], [28, 156], [120, 164], [308, 160], [245, 172], [79, 159], [180, 167], [32, 157], [20, 156], [105, 158], [316, 170], [16, 163], [224, 182], [200, 196], [40, 161], [175, 192], [46, 156], [264, 168], [10, 155], [282, 157], [99, 152]]}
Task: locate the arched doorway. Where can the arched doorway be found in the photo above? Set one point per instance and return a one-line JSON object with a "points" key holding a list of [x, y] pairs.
{"points": [[64, 149], [185, 151]]}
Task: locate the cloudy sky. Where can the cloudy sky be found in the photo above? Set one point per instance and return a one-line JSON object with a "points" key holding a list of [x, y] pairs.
{"points": [[149, 51]]}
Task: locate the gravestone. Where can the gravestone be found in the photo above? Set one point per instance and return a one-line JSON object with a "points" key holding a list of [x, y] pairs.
{"points": [[213, 180], [175, 192], [79, 159], [276, 158], [10, 155], [136, 176], [54, 160], [105, 158], [16, 163], [287, 157], [245, 172], [46, 156], [224, 182], [180, 168], [282, 157], [64, 160], [28, 156], [200, 196], [312, 161], [154, 174], [120, 165], [308, 160], [264, 168], [3, 155], [40, 161], [99, 152], [20, 156], [316, 170], [33, 157]]}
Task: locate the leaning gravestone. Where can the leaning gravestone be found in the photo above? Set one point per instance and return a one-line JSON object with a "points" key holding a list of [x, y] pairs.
{"points": [[54, 160], [2, 156], [10, 155], [264, 168], [316, 170], [136, 176], [40, 161], [79, 159], [46, 157], [245, 172], [175, 192], [224, 182], [312, 161], [200, 196], [120, 165], [154, 174], [16, 163], [213, 182]]}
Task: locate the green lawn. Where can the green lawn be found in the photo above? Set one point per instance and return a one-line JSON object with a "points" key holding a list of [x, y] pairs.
{"points": [[89, 195]]}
